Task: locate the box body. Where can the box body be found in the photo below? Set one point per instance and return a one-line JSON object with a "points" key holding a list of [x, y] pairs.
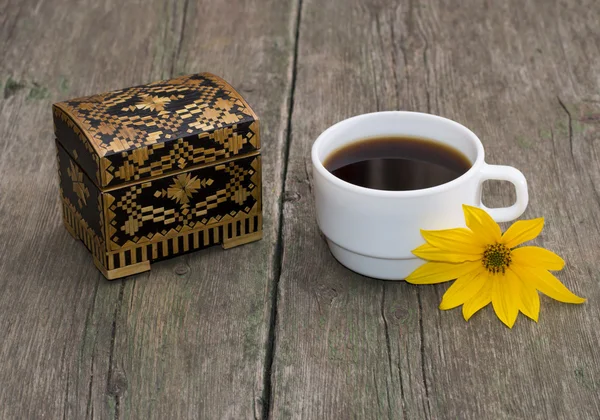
{"points": [[154, 171]]}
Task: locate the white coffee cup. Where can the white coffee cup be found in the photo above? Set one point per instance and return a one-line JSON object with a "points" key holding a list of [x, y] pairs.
{"points": [[373, 231]]}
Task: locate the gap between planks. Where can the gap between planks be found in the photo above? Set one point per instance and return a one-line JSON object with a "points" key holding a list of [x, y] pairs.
{"points": [[278, 260]]}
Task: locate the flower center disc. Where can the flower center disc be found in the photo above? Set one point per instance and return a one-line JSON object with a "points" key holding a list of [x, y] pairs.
{"points": [[496, 258]]}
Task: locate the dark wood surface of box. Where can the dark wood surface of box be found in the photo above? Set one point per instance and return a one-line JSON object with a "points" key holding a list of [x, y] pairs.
{"points": [[158, 170]]}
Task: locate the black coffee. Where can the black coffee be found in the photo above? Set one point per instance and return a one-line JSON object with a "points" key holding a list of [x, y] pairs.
{"points": [[397, 163]]}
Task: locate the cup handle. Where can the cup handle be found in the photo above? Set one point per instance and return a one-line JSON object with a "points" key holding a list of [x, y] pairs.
{"points": [[513, 175]]}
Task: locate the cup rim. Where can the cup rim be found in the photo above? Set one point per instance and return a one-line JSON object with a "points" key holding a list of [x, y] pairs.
{"points": [[318, 164]]}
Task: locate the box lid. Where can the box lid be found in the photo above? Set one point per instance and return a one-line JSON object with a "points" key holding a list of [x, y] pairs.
{"points": [[152, 130]]}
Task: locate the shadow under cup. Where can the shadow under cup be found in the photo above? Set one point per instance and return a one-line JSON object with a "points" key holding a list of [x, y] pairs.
{"points": [[373, 232]]}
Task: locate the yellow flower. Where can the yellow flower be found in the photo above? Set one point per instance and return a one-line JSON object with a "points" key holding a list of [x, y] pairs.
{"points": [[488, 268]]}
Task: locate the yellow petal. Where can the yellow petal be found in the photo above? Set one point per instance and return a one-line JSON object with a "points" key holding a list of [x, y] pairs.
{"points": [[455, 240], [480, 300], [431, 253], [463, 289], [546, 283], [534, 256], [482, 224], [529, 300], [505, 299], [439, 272], [522, 231]]}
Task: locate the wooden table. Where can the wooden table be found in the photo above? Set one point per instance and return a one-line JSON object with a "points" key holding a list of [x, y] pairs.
{"points": [[278, 329]]}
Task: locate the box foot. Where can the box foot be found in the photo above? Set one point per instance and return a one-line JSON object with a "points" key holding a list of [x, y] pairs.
{"points": [[241, 240], [71, 231], [128, 270]]}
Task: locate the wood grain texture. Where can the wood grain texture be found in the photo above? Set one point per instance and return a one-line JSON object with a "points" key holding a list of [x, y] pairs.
{"points": [[191, 338], [188, 339], [524, 77]]}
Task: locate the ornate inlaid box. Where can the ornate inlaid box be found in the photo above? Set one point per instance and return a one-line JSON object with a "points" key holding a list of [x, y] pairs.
{"points": [[158, 170]]}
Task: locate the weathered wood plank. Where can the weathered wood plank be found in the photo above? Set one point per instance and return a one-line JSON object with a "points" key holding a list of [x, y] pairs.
{"points": [[192, 337], [518, 88], [57, 311], [332, 356], [351, 347], [188, 339]]}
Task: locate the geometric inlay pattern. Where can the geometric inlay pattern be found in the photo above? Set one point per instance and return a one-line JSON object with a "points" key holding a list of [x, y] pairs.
{"points": [[173, 204], [164, 126]]}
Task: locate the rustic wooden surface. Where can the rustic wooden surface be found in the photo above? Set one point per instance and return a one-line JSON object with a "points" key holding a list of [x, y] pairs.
{"points": [[277, 329], [191, 337]]}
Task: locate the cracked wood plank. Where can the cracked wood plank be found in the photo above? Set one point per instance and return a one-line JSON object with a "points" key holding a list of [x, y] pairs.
{"points": [[524, 77], [190, 337], [57, 310], [337, 352]]}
